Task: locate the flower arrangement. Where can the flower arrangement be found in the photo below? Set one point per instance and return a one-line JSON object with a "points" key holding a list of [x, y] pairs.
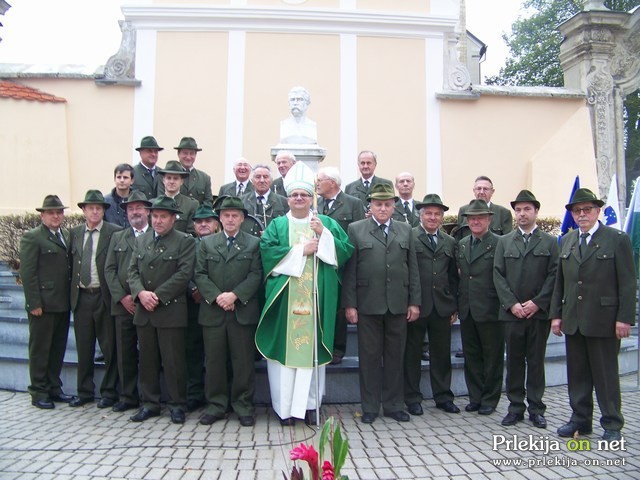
{"points": [[339, 447]]}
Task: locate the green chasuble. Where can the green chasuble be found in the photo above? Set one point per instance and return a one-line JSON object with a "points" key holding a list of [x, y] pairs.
{"points": [[285, 330]]}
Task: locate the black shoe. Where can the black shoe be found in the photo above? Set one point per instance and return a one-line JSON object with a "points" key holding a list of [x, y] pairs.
{"points": [[208, 419], [538, 420], [106, 402], [398, 416], [569, 429], [194, 404], [415, 409], [310, 418], [143, 414], [99, 358], [177, 416], [336, 360], [247, 420], [459, 354], [512, 418], [472, 407], [610, 435], [425, 356], [61, 398], [448, 407], [45, 404], [123, 406], [79, 401], [369, 417], [485, 410]]}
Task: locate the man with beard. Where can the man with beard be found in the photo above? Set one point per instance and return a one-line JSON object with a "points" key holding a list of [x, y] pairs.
{"points": [[122, 305]]}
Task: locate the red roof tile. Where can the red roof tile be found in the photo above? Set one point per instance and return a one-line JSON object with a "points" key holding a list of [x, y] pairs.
{"points": [[22, 92]]}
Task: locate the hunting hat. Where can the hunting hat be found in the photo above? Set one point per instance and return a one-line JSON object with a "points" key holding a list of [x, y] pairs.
{"points": [[188, 143], [382, 191], [95, 197], [477, 207], [431, 199], [51, 202], [232, 203], [173, 167], [149, 142], [583, 195], [205, 211], [525, 196], [165, 203], [135, 196]]}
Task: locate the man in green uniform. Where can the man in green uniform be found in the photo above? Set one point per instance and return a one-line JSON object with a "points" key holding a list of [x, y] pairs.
{"points": [[161, 267], [197, 183], [594, 305], [45, 274], [241, 185], [173, 177], [229, 275], [524, 275], [145, 172], [361, 188], [122, 305], [285, 336]]}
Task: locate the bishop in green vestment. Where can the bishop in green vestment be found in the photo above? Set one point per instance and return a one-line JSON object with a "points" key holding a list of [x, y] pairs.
{"points": [[285, 334]]}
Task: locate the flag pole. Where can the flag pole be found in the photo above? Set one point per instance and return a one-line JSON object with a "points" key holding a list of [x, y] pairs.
{"points": [[316, 367]]}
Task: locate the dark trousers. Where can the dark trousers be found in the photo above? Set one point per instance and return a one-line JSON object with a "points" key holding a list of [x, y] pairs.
{"points": [[526, 341], [439, 329], [162, 348], [194, 352], [340, 335], [483, 346], [127, 353], [230, 355], [381, 342], [47, 343], [91, 321], [593, 362]]}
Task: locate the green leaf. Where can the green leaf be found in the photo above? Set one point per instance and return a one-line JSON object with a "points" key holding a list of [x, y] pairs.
{"points": [[340, 450], [324, 438]]}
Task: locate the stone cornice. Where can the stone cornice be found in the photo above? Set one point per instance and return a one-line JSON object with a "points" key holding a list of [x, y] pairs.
{"points": [[285, 20]]}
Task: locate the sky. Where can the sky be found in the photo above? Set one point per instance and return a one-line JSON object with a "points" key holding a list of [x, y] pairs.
{"points": [[86, 32]]}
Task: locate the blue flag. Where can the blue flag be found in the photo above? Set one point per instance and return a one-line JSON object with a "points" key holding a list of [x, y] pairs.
{"points": [[567, 223], [632, 222]]}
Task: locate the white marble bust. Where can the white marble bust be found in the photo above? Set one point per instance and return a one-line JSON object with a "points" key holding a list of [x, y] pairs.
{"points": [[298, 128]]}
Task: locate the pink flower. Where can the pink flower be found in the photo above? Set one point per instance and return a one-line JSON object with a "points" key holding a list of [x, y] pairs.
{"points": [[327, 471], [309, 455]]}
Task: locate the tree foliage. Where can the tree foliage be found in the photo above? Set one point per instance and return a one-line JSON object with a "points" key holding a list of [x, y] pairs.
{"points": [[534, 46]]}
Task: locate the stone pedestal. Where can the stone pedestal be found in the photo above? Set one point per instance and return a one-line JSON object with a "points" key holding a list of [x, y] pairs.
{"points": [[309, 153]]}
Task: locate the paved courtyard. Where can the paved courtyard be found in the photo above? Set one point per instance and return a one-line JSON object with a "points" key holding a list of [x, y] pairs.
{"points": [[88, 443]]}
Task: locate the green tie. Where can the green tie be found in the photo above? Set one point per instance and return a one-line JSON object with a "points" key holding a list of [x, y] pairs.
{"points": [[85, 264]]}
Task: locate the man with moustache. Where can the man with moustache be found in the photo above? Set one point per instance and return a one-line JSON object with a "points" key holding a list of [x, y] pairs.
{"points": [[145, 171], [229, 275], [524, 275], [501, 219], [161, 267], [285, 336], [241, 185], [197, 184], [91, 302], [478, 305], [206, 223], [361, 188], [262, 203], [284, 161], [381, 294], [435, 253], [122, 305], [405, 210], [173, 176], [45, 274], [594, 306], [345, 210]]}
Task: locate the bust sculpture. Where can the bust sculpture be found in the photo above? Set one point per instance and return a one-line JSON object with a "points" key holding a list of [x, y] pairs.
{"points": [[298, 128]]}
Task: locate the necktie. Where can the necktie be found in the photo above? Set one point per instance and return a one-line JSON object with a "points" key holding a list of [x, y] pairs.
{"points": [[240, 189], [60, 237], [474, 243], [366, 185], [407, 211], [383, 229], [230, 241], [85, 264], [526, 238], [327, 206], [137, 233], [260, 209], [432, 240], [152, 172], [582, 247]]}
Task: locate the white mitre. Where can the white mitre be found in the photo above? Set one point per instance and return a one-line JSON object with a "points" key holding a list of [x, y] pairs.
{"points": [[300, 177]]}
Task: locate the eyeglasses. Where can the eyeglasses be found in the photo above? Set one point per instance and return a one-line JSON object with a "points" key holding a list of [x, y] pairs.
{"points": [[585, 210], [299, 195]]}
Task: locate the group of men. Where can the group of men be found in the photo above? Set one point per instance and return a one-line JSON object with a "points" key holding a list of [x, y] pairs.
{"points": [[195, 292]]}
